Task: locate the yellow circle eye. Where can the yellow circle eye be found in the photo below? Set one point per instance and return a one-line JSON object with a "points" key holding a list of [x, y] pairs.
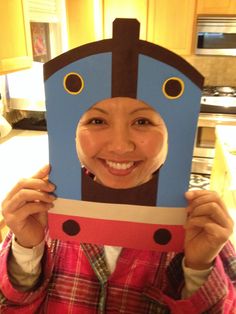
{"points": [[173, 88], [73, 83]]}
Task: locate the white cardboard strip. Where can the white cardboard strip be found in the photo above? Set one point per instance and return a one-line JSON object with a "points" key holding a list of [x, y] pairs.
{"points": [[120, 212]]}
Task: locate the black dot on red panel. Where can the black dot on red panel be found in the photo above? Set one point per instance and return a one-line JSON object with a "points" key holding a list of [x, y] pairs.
{"points": [[71, 227], [162, 236]]}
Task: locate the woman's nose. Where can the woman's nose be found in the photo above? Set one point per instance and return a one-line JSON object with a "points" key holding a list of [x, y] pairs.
{"points": [[121, 141]]}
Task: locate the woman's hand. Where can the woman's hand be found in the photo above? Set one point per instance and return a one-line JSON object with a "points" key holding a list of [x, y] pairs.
{"points": [[208, 228], [25, 208]]}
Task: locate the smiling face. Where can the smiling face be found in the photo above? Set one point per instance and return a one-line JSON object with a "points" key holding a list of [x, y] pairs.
{"points": [[122, 141]]}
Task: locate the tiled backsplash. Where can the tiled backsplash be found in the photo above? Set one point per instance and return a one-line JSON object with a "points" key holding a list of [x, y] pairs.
{"points": [[218, 70]]}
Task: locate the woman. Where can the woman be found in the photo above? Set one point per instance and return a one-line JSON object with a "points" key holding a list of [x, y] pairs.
{"points": [[122, 142]]}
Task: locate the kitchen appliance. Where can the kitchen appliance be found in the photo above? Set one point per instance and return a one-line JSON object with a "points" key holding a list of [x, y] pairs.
{"points": [[25, 98], [216, 36], [218, 107], [25, 89]]}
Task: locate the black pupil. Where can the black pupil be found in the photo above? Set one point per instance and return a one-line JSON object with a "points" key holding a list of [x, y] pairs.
{"points": [[73, 83], [173, 88]]}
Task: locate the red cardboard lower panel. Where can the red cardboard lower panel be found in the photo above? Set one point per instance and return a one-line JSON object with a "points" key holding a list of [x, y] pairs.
{"points": [[144, 236]]}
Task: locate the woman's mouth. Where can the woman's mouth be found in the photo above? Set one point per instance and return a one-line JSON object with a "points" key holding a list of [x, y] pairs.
{"points": [[119, 165], [119, 168]]}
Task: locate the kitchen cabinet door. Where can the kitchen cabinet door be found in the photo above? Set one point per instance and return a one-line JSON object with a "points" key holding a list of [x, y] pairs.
{"points": [[125, 9], [172, 24], [84, 21], [219, 171], [221, 7], [221, 177], [3, 229], [15, 52], [91, 20]]}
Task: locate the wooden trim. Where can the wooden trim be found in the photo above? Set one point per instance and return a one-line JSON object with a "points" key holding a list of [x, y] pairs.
{"points": [[2, 225], [15, 64]]}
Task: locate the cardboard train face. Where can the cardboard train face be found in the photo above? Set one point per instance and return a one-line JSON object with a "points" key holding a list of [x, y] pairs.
{"points": [[150, 216]]}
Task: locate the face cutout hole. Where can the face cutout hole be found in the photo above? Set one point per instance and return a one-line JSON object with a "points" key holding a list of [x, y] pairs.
{"points": [[100, 130], [173, 88], [71, 227], [73, 83], [162, 236]]}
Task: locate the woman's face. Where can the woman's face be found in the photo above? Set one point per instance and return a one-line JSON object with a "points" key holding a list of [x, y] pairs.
{"points": [[122, 141]]}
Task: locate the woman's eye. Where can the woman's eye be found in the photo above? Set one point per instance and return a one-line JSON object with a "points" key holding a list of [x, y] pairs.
{"points": [[96, 121], [142, 122]]}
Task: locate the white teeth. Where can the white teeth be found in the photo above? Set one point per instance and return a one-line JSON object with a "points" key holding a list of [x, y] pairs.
{"points": [[119, 165]]}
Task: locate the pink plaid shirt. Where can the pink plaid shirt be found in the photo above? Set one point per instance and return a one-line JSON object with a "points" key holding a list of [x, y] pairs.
{"points": [[75, 279]]}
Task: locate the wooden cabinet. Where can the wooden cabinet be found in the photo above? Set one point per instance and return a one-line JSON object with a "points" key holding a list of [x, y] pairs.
{"points": [[223, 176], [172, 24], [218, 7], [91, 20], [3, 229], [219, 172], [125, 9], [15, 52], [84, 21]]}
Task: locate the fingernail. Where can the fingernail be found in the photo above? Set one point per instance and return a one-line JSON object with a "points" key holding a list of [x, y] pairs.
{"points": [[45, 168], [51, 186], [188, 211], [188, 194], [52, 197], [50, 205]]}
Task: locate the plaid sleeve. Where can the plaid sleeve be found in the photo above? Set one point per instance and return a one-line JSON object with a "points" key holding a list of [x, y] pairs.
{"points": [[10, 297], [216, 295]]}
